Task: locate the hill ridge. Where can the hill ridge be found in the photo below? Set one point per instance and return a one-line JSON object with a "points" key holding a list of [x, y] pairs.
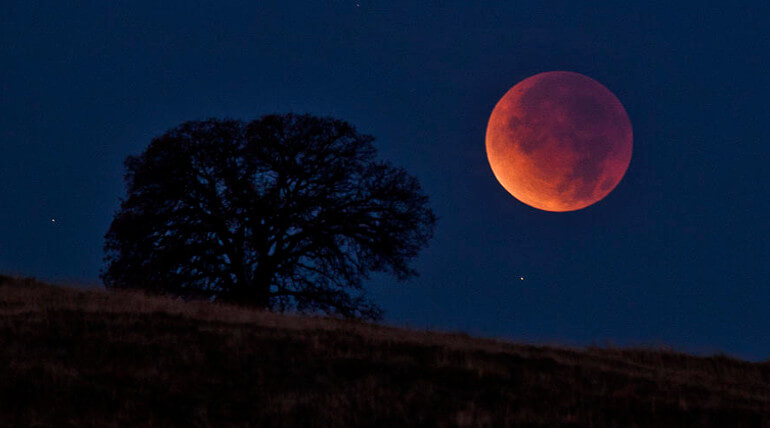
{"points": [[93, 357]]}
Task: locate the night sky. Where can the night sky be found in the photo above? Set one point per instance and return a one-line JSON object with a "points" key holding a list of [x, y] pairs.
{"points": [[677, 254]]}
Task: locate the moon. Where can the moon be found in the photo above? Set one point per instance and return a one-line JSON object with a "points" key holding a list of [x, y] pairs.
{"points": [[559, 141]]}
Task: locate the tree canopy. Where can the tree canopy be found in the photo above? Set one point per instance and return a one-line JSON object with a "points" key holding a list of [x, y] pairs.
{"points": [[283, 212]]}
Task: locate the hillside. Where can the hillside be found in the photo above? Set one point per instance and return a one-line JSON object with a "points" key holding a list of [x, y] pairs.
{"points": [[94, 358]]}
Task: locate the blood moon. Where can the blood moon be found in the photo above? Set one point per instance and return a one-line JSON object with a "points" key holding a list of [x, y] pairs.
{"points": [[559, 141]]}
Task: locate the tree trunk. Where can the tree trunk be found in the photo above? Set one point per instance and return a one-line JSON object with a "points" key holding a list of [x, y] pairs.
{"points": [[261, 287], [251, 292]]}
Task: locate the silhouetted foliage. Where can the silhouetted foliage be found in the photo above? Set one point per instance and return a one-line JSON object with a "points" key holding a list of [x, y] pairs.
{"points": [[287, 211]]}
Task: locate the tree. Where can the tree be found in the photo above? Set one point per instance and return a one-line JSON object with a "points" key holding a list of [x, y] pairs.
{"points": [[285, 212]]}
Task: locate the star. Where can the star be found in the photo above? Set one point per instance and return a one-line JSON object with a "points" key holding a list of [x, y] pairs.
{"points": [[53, 220]]}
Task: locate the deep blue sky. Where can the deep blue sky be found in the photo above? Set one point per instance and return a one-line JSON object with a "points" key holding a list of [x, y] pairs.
{"points": [[677, 254]]}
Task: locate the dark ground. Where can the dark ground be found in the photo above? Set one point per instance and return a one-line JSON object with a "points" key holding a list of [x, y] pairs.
{"points": [[94, 358]]}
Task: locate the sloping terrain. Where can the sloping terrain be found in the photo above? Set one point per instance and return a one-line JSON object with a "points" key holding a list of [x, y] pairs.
{"points": [[95, 358]]}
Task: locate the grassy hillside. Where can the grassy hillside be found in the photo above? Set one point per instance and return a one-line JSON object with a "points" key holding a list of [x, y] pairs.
{"points": [[94, 358]]}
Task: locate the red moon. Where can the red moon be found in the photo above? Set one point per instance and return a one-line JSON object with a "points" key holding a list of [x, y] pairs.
{"points": [[559, 141]]}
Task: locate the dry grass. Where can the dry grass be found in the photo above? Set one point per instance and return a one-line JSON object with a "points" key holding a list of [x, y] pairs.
{"points": [[94, 358]]}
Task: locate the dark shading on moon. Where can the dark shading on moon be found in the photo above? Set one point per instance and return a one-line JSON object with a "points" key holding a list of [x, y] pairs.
{"points": [[559, 141]]}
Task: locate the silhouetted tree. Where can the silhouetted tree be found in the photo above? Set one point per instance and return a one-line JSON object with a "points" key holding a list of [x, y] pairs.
{"points": [[287, 211]]}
